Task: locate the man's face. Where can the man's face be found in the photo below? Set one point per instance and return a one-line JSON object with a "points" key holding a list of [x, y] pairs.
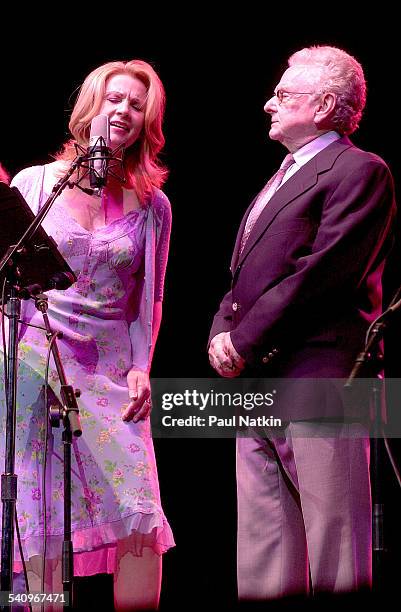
{"points": [[293, 105]]}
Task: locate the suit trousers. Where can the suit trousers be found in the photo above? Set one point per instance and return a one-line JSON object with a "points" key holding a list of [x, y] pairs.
{"points": [[304, 509]]}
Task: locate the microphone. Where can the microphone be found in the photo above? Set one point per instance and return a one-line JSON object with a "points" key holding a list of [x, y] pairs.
{"points": [[59, 280], [99, 153], [62, 280]]}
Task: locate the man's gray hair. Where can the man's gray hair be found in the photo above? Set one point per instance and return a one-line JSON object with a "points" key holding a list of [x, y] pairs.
{"points": [[343, 75]]}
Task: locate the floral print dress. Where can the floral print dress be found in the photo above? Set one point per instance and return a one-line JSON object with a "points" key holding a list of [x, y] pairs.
{"points": [[105, 319]]}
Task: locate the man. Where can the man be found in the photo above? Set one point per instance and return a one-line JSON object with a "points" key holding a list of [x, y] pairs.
{"points": [[306, 284]]}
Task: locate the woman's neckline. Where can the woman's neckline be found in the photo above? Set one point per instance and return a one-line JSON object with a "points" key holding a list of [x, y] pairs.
{"points": [[66, 210], [135, 211]]}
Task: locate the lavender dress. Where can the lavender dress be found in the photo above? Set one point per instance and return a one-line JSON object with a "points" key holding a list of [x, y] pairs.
{"points": [[106, 320]]}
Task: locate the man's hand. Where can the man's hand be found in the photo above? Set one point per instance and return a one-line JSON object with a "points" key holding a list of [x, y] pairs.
{"points": [[224, 358], [139, 394]]}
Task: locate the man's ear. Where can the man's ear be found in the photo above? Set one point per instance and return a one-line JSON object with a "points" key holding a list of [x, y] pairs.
{"points": [[325, 109]]}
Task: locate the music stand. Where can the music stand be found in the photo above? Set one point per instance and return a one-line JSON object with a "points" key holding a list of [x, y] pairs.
{"points": [[44, 260], [31, 265]]}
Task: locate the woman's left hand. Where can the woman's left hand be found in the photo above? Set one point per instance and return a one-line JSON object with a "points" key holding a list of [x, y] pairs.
{"points": [[139, 394]]}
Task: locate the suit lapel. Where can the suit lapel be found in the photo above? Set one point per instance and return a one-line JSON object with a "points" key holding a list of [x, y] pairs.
{"points": [[237, 245], [298, 183]]}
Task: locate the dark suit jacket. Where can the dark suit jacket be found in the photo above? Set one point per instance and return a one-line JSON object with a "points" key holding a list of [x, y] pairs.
{"points": [[308, 282]]}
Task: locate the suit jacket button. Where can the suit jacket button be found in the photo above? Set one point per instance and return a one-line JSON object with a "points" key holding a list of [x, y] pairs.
{"points": [[235, 306]]}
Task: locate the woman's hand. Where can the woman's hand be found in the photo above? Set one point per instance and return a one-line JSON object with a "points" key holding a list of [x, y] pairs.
{"points": [[139, 394]]}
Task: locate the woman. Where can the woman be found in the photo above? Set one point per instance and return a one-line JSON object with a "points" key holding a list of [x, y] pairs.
{"points": [[4, 178], [117, 245]]}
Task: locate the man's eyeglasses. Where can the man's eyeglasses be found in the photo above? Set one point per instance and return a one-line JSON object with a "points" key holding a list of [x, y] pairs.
{"points": [[282, 95]]}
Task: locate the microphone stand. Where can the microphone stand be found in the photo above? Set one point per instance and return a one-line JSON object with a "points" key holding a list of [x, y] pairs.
{"points": [[70, 419], [10, 263], [9, 478], [370, 361]]}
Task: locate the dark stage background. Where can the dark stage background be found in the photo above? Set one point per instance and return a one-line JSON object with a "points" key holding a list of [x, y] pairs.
{"points": [[218, 74]]}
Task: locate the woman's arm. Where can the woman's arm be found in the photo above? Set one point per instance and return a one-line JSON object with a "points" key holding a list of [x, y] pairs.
{"points": [[138, 380]]}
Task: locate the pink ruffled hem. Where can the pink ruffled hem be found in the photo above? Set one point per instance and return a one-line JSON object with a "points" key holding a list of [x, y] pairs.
{"points": [[95, 548]]}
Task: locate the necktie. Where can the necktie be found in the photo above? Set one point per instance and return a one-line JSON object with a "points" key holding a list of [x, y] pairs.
{"points": [[267, 192]]}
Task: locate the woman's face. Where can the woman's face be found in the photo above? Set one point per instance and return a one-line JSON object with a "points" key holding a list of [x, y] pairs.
{"points": [[124, 103]]}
